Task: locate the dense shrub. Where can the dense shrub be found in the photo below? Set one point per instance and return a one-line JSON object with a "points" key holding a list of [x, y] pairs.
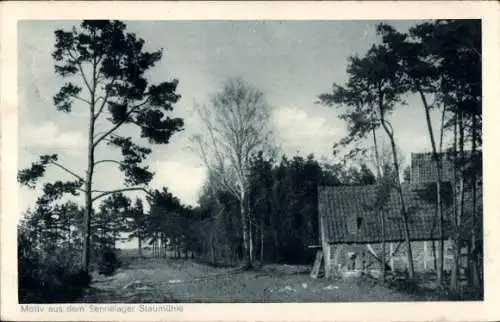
{"points": [[108, 262], [50, 275]]}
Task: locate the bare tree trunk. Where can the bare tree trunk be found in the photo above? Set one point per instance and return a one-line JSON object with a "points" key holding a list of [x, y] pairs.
{"points": [[434, 255], [460, 204], [88, 184], [213, 249], [272, 220], [250, 242], [157, 245], [380, 213], [455, 182], [86, 218], [68, 235], [262, 240], [439, 179], [247, 252], [139, 246], [472, 254], [404, 215], [153, 244], [462, 199]]}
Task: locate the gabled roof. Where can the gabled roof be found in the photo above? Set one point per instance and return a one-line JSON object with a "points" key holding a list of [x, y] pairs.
{"points": [[348, 215]]}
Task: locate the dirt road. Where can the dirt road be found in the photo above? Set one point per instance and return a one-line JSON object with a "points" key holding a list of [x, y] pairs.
{"points": [[164, 281]]}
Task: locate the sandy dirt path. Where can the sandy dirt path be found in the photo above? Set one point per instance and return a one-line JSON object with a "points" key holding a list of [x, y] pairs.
{"points": [[173, 281]]}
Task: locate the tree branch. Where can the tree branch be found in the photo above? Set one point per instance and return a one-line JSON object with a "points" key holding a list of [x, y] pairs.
{"points": [[104, 100], [81, 99], [67, 170], [81, 71], [107, 161], [111, 130], [105, 193], [388, 126]]}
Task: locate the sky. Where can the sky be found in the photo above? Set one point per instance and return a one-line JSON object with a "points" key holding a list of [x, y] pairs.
{"points": [[292, 62]]}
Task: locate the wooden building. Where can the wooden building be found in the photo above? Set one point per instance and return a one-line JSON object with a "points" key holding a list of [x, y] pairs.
{"points": [[351, 229]]}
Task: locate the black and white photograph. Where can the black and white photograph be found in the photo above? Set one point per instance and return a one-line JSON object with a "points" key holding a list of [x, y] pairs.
{"points": [[249, 161]]}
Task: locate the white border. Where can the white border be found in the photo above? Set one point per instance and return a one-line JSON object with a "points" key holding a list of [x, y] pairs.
{"points": [[11, 12]]}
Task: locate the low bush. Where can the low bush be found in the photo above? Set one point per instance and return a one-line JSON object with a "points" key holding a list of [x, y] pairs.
{"points": [[50, 275], [108, 262]]}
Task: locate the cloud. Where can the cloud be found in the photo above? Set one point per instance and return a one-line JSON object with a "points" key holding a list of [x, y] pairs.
{"points": [[304, 132], [27, 198], [183, 179], [48, 135]]}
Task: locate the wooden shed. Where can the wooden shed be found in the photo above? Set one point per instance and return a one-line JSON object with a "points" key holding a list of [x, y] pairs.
{"points": [[351, 232]]}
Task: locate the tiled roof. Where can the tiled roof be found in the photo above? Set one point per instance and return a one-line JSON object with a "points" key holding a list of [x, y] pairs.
{"points": [[348, 214], [423, 168]]}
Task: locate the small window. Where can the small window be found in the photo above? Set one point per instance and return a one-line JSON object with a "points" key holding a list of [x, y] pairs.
{"points": [[359, 220]]}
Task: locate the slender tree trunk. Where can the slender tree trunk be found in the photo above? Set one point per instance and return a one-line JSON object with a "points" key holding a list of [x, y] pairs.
{"points": [[383, 256], [86, 220], [88, 188], [68, 235], [458, 135], [455, 183], [252, 231], [434, 255], [250, 241], [166, 246], [161, 249], [437, 162], [441, 222], [273, 216], [139, 245], [441, 130], [404, 215], [380, 211], [247, 252], [472, 254], [411, 270], [153, 246], [458, 238], [213, 249], [157, 245], [56, 235], [262, 240]]}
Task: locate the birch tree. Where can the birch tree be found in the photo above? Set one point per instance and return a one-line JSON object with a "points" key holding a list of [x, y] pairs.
{"points": [[236, 125]]}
